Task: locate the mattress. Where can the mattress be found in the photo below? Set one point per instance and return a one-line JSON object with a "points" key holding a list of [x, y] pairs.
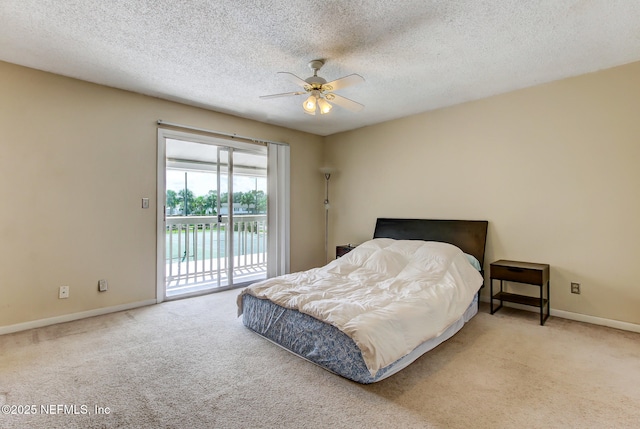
{"points": [[327, 346]]}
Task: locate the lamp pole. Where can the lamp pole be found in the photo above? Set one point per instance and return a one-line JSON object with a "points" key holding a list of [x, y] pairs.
{"points": [[327, 175]]}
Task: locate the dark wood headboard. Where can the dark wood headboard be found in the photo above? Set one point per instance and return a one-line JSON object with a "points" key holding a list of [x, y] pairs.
{"points": [[468, 235]]}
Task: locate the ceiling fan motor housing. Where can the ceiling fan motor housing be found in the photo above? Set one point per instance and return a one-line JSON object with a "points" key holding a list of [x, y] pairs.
{"points": [[315, 82]]}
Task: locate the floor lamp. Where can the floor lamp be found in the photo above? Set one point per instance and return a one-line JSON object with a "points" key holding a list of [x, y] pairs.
{"points": [[327, 175]]}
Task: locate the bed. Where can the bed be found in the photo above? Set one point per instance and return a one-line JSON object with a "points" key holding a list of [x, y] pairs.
{"points": [[371, 313]]}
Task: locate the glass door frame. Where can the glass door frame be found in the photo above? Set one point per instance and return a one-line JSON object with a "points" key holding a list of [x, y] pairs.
{"points": [[229, 218], [222, 145]]}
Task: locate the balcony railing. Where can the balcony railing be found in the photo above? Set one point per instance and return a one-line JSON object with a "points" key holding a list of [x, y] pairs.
{"points": [[198, 251]]}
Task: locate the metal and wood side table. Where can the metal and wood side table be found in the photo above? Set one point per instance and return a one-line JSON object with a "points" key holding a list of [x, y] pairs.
{"points": [[521, 272], [343, 249]]}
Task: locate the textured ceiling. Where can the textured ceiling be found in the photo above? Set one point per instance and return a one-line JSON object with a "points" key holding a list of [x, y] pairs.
{"points": [[415, 56]]}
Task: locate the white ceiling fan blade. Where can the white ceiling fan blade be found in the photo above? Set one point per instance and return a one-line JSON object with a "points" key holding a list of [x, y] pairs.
{"points": [[343, 82], [295, 79], [344, 102], [284, 94]]}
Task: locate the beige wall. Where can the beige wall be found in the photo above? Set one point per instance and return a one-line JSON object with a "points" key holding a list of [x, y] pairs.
{"points": [[555, 169], [75, 161]]}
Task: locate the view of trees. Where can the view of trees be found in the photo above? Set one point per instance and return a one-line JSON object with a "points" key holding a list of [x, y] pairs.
{"points": [[252, 202]]}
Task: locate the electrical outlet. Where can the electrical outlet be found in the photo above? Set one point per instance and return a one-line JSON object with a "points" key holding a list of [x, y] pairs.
{"points": [[575, 288], [103, 285], [63, 292]]}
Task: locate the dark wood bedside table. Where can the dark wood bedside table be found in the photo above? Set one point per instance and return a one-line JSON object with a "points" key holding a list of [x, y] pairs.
{"points": [[343, 249], [521, 272]]}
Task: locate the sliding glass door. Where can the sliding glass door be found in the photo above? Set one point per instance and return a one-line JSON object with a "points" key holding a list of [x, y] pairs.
{"points": [[214, 232]]}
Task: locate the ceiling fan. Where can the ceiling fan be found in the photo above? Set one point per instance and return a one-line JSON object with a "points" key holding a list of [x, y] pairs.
{"points": [[320, 91]]}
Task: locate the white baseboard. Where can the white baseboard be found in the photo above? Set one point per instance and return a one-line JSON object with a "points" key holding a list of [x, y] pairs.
{"points": [[73, 316], [625, 326]]}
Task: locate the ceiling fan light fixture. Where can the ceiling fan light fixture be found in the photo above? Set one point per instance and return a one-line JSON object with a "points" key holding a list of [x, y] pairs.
{"points": [[324, 106], [309, 105]]}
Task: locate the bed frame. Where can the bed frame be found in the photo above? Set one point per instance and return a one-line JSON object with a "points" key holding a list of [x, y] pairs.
{"points": [[469, 235]]}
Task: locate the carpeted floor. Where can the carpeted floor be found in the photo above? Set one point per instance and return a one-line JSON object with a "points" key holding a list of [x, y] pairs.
{"points": [[192, 364]]}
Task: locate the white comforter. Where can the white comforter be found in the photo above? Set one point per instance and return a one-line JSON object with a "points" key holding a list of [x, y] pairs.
{"points": [[388, 295]]}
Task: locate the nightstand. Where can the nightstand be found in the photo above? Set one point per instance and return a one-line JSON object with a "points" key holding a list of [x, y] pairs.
{"points": [[343, 249], [521, 272]]}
